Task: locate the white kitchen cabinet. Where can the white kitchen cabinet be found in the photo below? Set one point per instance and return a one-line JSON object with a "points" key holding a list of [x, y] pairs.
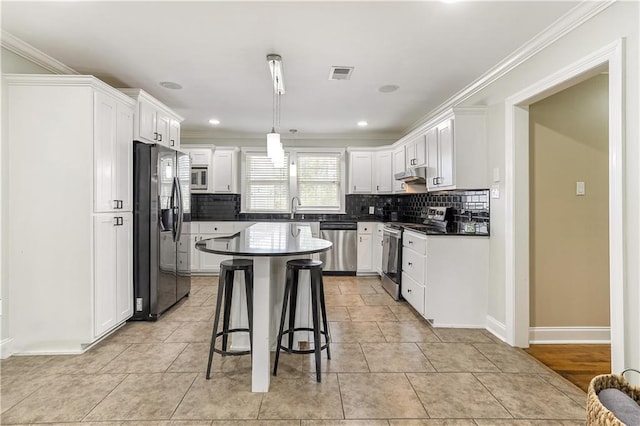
{"points": [[154, 122], [399, 166], [360, 166], [209, 263], [383, 172], [225, 170], [113, 269], [414, 265], [456, 151], [416, 152], [457, 278], [113, 154], [364, 256], [199, 156], [67, 271]]}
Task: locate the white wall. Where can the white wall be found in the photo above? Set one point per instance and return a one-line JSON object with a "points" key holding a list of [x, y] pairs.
{"points": [[10, 63], [618, 21]]}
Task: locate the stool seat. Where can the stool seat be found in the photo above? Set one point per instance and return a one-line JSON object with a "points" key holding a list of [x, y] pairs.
{"points": [[223, 304], [237, 264], [304, 263], [318, 308]]}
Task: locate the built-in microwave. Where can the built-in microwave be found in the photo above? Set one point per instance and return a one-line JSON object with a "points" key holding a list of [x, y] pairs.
{"points": [[199, 178]]}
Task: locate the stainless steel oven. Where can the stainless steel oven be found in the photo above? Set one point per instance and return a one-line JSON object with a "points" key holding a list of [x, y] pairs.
{"points": [[392, 260]]}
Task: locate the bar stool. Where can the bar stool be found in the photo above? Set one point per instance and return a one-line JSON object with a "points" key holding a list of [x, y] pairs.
{"points": [[225, 292], [317, 306]]}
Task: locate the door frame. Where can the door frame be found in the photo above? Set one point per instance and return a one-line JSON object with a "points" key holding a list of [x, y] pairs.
{"points": [[517, 193]]}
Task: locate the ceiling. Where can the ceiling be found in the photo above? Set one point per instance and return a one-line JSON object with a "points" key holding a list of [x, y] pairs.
{"points": [[217, 52]]}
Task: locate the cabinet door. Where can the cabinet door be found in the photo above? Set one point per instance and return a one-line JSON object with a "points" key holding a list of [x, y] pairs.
{"points": [[174, 133], [445, 145], [200, 157], [124, 268], [384, 172], [421, 150], [210, 262], [124, 157], [410, 154], [377, 254], [104, 140], [163, 128], [195, 253], [147, 122], [105, 273], [398, 166], [433, 166], [223, 171], [360, 172], [364, 253]]}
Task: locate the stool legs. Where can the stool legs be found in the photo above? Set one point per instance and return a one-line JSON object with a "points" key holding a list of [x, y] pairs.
{"points": [[248, 279], [293, 301], [287, 289], [325, 324], [316, 326], [228, 281], [221, 286]]}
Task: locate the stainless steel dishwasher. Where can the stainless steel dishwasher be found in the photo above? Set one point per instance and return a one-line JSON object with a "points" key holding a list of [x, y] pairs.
{"points": [[341, 259]]}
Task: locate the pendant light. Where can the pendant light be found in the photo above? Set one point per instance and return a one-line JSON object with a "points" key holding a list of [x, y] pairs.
{"points": [[275, 150]]}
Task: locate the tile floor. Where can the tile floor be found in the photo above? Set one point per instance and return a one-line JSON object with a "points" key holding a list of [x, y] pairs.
{"points": [[388, 367]]}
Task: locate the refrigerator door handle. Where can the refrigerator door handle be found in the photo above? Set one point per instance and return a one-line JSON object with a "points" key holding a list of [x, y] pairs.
{"points": [[173, 207], [178, 228]]}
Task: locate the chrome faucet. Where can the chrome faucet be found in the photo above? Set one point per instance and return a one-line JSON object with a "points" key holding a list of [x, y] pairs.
{"points": [[293, 208]]}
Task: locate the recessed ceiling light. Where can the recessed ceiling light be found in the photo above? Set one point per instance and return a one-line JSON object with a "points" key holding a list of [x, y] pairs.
{"points": [[170, 85], [214, 121], [388, 88], [362, 123]]}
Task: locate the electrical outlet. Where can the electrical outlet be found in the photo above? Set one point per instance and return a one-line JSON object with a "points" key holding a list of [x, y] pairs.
{"points": [[138, 304], [495, 191], [371, 210]]}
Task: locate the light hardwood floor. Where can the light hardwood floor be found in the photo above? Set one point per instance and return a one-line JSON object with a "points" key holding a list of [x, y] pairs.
{"points": [[576, 363]]}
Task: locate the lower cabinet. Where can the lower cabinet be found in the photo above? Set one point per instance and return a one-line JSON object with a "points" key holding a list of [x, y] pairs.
{"points": [[377, 248], [113, 270], [365, 263], [445, 278], [209, 263]]}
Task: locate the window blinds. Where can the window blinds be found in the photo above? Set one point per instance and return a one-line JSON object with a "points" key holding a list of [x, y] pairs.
{"points": [[319, 180], [267, 188]]}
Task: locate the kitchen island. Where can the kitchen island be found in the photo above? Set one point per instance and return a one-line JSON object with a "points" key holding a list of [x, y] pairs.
{"points": [[270, 245]]}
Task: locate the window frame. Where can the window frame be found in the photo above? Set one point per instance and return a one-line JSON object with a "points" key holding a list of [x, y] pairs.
{"points": [[293, 179]]}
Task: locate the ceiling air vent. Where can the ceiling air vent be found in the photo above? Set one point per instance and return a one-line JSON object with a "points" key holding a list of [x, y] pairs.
{"points": [[340, 73]]}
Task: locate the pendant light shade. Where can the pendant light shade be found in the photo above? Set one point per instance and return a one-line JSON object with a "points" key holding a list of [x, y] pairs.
{"points": [[274, 147]]}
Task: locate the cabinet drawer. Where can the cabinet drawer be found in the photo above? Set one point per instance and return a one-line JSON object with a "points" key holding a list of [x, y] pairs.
{"points": [[413, 264], [224, 228], [415, 242], [365, 227], [413, 293]]}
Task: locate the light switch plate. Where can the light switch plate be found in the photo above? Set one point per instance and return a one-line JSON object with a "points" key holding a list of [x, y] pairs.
{"points": [[495, 191], [580, 189], [496, 174]]}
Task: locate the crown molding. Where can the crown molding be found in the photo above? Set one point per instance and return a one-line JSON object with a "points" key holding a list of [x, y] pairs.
{"points": [[563, 25], [203, 134], [30, 53]]}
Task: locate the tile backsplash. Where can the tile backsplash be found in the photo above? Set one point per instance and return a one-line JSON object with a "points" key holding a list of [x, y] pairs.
{"points": [[467, 206]]}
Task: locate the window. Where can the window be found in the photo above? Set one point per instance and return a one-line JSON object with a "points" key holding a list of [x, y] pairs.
{"points": [[266, 188], [318, 181], [316, 178]]}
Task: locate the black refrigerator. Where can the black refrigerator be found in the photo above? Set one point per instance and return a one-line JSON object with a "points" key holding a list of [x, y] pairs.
{"points": [[161, 211]]}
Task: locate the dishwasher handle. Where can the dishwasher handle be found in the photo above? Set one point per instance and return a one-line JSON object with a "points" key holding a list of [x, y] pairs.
{"points": [[338, 226]]}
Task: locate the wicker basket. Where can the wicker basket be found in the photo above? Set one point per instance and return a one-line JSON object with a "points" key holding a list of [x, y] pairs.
{"points": [[597, 414]]}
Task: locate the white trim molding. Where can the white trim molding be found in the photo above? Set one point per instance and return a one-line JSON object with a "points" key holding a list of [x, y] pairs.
{"points": [[6, 349], [573, 335], [517, 194], [496, 328], [30, 53]]}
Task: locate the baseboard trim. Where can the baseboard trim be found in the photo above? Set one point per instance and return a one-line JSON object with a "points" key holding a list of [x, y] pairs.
{"points": [[496, 328], [5, 348], [570, 335]]}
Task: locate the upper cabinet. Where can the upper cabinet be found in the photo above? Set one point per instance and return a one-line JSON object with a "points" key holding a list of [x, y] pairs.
{"points": [[416, 152], [154, 122], [225, 170], [399, 165], [360, 166], [383, 172], [113, 136], [456, 151]]}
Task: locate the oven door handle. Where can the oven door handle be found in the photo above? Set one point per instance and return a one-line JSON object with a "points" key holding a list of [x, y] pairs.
{"points": [[391, 232]]}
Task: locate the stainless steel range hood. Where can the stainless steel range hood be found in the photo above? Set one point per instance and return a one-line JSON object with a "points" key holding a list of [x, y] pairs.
{"points": [[415, 175]]}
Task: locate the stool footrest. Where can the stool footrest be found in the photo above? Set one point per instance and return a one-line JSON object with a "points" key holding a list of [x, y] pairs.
{"points": [[304, 351], [230, 353]]}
